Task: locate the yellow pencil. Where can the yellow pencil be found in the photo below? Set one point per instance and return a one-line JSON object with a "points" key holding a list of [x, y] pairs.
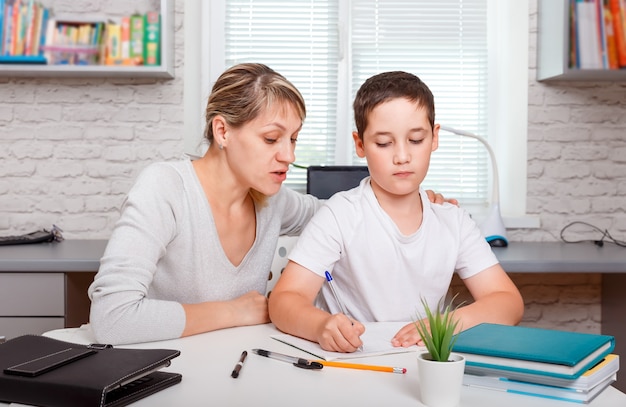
{"points": [[400, 370]]}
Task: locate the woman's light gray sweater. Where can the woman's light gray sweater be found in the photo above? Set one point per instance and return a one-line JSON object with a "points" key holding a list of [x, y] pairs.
{"points": [[164, 251]]}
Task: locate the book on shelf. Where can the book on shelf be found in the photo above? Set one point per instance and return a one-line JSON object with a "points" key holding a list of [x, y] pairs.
{"points": [[541, 351], [588, 38], [136, 38], [125, 38], [113, 43], [607, 367], [618, 14], [537, 390], [152, 36]]}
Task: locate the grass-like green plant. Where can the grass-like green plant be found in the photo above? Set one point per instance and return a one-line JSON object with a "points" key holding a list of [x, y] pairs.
{"points": [[438, 336]]}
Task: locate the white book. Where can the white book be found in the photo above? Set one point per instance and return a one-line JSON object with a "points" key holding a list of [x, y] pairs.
{"points": [[536, 390], [376, 341], [607, 367], [588, 35]]}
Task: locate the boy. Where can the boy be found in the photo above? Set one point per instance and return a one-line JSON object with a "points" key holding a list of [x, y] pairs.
{"points": [[384, 243]]}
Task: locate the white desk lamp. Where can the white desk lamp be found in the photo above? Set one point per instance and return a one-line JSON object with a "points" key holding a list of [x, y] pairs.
{"points": [[492, 227]]}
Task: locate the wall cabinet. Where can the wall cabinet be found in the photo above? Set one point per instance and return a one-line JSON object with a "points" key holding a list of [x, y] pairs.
{"points": [[165, 70], [553, 20]]}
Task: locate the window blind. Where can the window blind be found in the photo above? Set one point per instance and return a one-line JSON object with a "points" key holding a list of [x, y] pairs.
{"points": [[444, 42]]}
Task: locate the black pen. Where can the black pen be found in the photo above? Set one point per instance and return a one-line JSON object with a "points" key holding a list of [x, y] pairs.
{"points": [[239, 365], [297, 362]]}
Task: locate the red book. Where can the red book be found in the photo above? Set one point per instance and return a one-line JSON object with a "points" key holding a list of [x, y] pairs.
{"points": [[619, 26]]}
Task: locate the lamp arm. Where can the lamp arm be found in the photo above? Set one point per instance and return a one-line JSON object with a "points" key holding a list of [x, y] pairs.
{"points": [[496, 186]]}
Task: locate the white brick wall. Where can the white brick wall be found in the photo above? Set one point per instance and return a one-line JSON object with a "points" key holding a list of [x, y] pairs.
{"points": [[576, 153], [70, 149]]}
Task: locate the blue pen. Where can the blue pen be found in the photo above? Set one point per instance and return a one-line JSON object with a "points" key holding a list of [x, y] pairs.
{"points": [[331, 283]]}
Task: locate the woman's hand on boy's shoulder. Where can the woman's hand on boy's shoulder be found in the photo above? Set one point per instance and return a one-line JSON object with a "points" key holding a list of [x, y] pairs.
{"points": [[438, 198]]}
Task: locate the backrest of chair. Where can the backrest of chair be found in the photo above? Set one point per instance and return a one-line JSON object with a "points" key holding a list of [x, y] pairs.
{"points": [[284, 246]]}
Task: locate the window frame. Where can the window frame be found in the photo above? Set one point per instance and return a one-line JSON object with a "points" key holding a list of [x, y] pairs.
{"points": [[508, 92]]}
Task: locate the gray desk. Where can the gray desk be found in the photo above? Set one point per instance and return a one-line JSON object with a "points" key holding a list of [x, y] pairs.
{"points": [[67, 256], [557, 257]]}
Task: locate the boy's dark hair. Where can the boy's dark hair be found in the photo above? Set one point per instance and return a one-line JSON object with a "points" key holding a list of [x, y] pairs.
{"points": [[391, 85]]}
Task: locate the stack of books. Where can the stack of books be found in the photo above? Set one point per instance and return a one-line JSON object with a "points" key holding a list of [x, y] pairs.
{"points": [[563, 365]]}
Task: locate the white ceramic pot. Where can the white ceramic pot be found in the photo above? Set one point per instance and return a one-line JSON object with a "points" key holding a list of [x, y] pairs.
{"points": [[440, 382]]}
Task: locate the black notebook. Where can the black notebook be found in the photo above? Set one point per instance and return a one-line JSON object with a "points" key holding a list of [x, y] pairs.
{"points": [[42, 371]]}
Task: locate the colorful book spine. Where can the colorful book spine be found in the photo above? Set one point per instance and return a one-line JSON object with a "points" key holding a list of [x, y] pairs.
{"points": [[136, 38], [2, 7], [114, 46], [15, 27], [152, 39], [619, 26], [611, 47], [125, 38]]}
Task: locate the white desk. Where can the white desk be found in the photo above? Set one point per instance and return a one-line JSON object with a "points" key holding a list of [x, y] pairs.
{"points": [[207, 360]]}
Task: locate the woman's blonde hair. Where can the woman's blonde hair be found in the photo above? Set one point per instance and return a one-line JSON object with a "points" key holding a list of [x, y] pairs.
{"points": [[243, 92]]}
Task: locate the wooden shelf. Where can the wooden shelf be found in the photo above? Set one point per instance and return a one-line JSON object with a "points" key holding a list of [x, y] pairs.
{"points": [[165, 70], [553, 47]]}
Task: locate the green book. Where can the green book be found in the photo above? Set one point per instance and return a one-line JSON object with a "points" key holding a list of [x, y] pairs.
{"points": [[543, 351], [152, 39], [136, 38]]}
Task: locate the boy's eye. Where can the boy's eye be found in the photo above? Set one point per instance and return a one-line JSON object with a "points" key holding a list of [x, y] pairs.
{"points": [[294, 140], [383, 144], [270, 140], [416, 141]]}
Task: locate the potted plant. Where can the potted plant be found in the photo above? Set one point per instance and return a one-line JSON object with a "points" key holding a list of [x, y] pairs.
{"points": [[440, 371]]}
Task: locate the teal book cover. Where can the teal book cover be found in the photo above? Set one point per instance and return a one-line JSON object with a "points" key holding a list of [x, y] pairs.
{"points": [[553, 352]]}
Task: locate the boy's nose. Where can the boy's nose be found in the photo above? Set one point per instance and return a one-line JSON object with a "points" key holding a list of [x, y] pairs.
{"points": [[401, 155]]}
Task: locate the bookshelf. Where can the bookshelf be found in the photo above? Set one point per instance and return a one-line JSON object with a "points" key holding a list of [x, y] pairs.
{"points": [[553, 47], [165, 70]]}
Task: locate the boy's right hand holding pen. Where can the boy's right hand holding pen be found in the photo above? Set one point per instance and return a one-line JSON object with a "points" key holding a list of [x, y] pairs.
{"points": [[295, 308], [340, 333]]}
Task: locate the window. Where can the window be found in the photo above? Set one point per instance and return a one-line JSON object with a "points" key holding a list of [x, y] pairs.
{"points": [[327, 48]]}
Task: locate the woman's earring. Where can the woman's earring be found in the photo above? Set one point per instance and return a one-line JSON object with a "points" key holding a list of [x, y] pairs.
{"points": [[220, 146]]}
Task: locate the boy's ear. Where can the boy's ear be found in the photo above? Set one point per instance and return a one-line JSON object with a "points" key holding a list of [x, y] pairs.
{"points": [[358, 145], [435, 143]]}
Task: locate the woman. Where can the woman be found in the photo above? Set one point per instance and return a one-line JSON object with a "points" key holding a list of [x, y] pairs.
{"points": [[194, 244]]}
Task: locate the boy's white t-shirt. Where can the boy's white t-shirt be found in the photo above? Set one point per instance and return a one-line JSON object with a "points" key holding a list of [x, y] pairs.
{"points": [[379, 273]]}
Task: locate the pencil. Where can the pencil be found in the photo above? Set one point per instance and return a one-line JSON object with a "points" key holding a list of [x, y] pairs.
{"points": [[389, 369]]}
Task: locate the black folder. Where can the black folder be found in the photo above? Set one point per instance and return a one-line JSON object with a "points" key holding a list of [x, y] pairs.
{"points": [[47, 372]]}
